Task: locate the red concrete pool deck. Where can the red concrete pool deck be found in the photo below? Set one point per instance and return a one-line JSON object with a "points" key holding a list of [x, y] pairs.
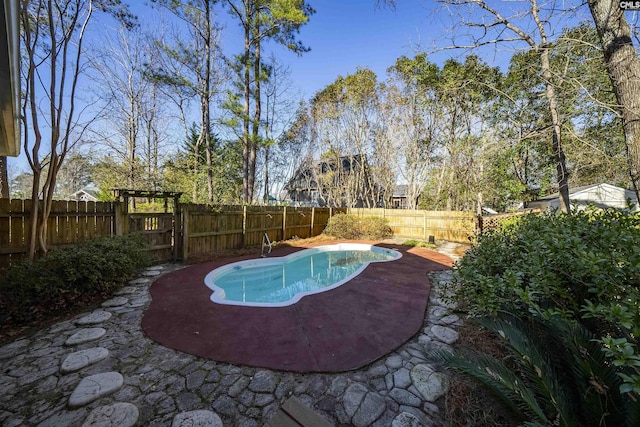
{"points": [[338, 330]]}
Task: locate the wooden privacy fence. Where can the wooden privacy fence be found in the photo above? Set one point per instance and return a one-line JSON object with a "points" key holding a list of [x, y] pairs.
{"points": [[208, 229], [69, 222], [196, 230], [421, 224]]}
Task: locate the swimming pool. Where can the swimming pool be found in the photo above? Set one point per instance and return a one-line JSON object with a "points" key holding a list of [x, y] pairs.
{"points": [[282, 281]]}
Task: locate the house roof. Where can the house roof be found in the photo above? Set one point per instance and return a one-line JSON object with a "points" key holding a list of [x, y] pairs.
{"points": [[91, 191], [400, 190], [306, 169]]}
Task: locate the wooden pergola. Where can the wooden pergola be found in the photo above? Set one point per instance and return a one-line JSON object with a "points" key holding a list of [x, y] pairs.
{"points": [[123, 195]]}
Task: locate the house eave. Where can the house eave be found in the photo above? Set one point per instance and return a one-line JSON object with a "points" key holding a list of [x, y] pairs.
{"points": [[9, 79]]}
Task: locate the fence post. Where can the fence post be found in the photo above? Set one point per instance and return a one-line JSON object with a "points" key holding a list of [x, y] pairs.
{"points": [[424, 224], [121, 216], [184, 210], [244, 224], [313, 214], [284, 223]]}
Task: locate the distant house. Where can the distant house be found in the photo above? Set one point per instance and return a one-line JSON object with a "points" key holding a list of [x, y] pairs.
{"points": [[87, 194], [599, 195], [337, 182], [399, 197]]}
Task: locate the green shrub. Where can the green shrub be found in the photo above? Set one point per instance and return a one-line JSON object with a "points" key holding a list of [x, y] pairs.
{"points": [[554, 373], [345, 226], [583, 266], [375, 227], [418, 243], [66, 276]]}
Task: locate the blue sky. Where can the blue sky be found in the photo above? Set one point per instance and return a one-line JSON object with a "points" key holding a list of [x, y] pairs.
{"points": [[346, 34]]}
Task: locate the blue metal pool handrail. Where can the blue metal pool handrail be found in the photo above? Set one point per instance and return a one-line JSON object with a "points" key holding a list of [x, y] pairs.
{"points": [[265, 236]]}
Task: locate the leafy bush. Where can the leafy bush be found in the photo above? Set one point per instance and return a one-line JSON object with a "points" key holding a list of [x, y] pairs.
{"points": [[418, 243], [345, 226], [65, 276], [583, 266], [375, 227]]}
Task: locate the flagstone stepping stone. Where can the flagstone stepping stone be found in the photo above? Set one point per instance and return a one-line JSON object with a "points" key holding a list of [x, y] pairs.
{"points": [[94, 387], [405, 419], [85, 335], [82, 358], [444, 334], [95, 317], [121, 414], [115, 302], [199, 418], [156, 267], [139, 281], [151, 273], [431, 384], [127, 290]]}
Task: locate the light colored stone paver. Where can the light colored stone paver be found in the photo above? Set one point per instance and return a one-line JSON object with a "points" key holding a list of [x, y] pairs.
{"points": [[372, 407], [353, 397], [127, 290], [120, 414], [85, 335], [80, 359], [115, 302], [405, 419], [93, 318], [450, 320], [431, 384], [445, 334], [150, 273], [199, 418], [94, 387]]}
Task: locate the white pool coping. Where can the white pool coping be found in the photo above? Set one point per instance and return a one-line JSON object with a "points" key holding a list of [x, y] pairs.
{"points": [[218, 295]]}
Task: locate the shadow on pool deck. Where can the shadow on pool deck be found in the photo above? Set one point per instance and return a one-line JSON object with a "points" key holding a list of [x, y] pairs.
{"points": [[338, 330]]}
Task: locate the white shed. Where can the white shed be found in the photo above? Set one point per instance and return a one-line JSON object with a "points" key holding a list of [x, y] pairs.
{"points": [[599, 195]]}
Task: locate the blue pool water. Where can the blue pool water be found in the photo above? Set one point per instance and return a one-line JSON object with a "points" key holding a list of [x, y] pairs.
{"points": [[280, 281]]}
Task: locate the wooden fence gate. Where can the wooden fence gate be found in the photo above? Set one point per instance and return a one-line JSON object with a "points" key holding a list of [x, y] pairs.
{"points": [[163, 230]]}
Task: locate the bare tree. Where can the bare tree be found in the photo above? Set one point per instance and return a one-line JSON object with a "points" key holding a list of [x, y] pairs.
{"points": [[507, 29], [278, 116], [125, 90], [53, 33]]}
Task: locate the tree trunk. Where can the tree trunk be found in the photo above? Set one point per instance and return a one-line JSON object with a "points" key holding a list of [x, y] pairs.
{"points": [[206, 101], [256, 118], [4, 178], [623, 65], [266, 175], [245, 118], [556, 140]]}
